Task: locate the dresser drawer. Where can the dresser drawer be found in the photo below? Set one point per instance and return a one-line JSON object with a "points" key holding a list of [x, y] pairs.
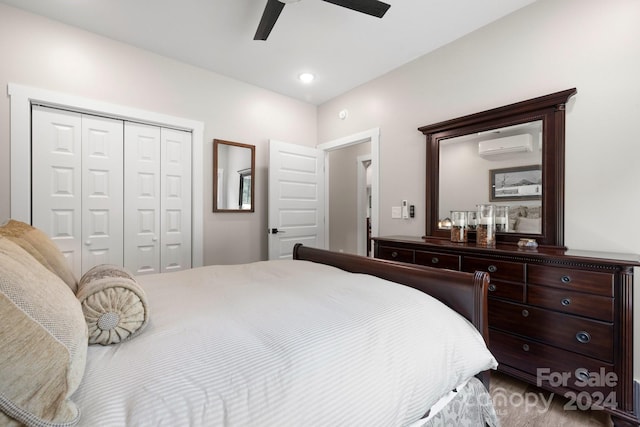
{"points": [[506, 290], [565, 278], [589, 305], [395, 254], [504, 270], [579, 372], [434, 259], [585, 336]]}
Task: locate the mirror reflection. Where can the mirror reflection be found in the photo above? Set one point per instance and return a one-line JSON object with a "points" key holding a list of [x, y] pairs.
{"points": [[502, 167], [233, 178]]}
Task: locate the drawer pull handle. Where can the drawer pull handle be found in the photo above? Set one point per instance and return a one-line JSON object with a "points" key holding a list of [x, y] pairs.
{"points": [[435, 260], [492, 287], [583, 337], [565, 279], [525, 347], [565, 301], [492, 268], [525, 313], [394, 254], [583, 374]]}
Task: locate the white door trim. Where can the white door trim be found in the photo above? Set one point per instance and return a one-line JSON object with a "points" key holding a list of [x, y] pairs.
{"points": [[372, 135], [361, 234], [21, 98]]}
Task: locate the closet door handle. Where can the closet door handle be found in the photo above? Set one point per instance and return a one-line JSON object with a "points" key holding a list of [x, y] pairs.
{"points": [[87, 242], [154, 239]]}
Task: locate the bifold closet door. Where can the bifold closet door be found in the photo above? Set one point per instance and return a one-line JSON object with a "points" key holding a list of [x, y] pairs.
{"points": [[77, 185], [142, 198], [175, 205], [102, 191], [157, 199]]}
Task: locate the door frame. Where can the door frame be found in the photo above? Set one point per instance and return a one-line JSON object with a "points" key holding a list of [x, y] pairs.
{"points": [[21, 99], [372, 136]]}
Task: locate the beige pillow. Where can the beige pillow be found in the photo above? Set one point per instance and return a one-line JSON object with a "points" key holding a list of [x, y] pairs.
{"points": [[42, 248], [43, 342], [114, 305], [529, 225]]}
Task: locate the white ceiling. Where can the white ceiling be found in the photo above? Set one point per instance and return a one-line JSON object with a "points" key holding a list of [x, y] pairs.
{"points": [[343, 48]]}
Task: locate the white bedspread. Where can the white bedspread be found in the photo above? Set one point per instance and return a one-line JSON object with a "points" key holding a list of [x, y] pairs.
{"points": [[280, 343]]}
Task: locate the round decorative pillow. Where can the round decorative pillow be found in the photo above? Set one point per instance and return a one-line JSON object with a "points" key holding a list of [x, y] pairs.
{"points": [[114, 305]]}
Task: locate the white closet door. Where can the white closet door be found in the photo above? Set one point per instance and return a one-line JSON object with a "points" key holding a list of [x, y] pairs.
{"points": [[142, 198], [102, 191], [56, 163], [175, 205]]}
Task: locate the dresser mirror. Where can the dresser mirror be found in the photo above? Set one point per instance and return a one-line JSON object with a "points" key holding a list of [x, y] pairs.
{"points": [[233, 177], [510, 156]]}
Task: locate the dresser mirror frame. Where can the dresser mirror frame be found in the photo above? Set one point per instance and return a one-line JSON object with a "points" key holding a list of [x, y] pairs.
{"points": [[550, 109], [240, 177]]}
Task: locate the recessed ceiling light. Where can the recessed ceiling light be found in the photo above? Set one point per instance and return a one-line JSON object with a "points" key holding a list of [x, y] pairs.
{"points": [[306, 77]]}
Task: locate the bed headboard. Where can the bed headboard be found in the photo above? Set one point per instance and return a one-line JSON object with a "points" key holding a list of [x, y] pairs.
{"points": [[465, 293]]}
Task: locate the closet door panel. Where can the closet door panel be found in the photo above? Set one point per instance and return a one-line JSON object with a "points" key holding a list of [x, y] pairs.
{"points": [[175, 200], [102, 191], [56, 168], [141, 198]]}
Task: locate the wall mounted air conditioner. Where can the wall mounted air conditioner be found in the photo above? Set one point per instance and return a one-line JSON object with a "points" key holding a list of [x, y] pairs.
{"points": [[509, 144]]}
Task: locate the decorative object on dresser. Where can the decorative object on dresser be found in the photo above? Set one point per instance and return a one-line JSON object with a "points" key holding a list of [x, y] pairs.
{"points": [[559, 318]]}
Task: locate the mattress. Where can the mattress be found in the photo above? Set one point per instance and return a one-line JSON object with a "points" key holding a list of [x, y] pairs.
{"points": [[279, 343]]}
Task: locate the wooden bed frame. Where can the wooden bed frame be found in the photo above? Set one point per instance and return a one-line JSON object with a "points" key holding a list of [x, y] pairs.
{"points": [[466, 293]]}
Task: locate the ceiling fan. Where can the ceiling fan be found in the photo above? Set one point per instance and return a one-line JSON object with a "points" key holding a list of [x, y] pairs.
{"points": [[274, 7]]}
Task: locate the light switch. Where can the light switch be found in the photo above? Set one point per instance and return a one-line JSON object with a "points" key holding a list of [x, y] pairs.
{"points": [[396, 212]]}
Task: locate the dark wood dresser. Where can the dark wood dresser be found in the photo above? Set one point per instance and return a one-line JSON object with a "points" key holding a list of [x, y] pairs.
{"points": [[559, 319]]}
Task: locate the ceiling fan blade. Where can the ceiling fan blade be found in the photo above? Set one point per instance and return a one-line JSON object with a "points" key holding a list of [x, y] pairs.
{"points": [[370, 7], [269, 17]]}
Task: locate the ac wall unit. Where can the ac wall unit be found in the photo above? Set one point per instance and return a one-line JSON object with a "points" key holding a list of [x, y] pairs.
{"points": [[509, 144]]}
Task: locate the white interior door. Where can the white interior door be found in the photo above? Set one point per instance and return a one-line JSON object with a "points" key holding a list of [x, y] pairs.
{"points": [[175, 206], [296, 198], [142, 198], [56, 166], [102, 191]]}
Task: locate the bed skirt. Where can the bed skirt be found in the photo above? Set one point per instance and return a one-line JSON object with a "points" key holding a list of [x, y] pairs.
{"points": [[471, 407]]}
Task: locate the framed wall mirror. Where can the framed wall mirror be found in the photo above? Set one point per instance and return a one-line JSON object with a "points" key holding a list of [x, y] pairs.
{"points": [[511, 156], [233, 176]]}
